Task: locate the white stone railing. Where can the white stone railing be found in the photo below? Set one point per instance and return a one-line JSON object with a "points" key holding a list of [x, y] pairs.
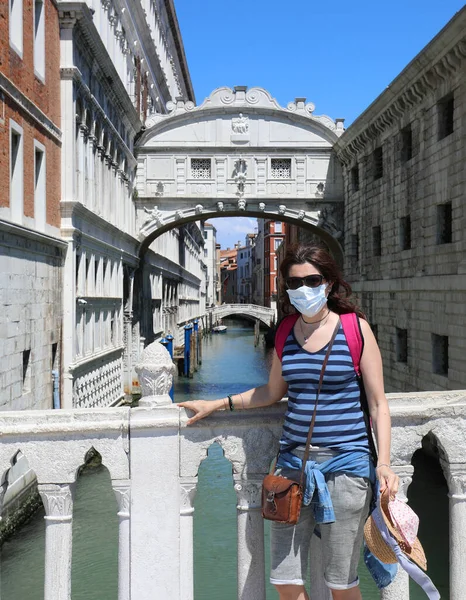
{"points": [[153, 460]]}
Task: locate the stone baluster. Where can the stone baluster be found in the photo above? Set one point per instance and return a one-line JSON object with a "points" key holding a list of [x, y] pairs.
{"points": [[456, 476], [188, 488], [155, 468], [399, 589], [251, 561], [58, 504], [122, 491]]}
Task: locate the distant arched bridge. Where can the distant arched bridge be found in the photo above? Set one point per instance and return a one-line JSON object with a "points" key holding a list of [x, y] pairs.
{"points": [[262, 313]]}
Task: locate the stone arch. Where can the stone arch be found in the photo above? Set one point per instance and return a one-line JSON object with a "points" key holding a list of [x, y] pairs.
{"points": [[157, 223]]}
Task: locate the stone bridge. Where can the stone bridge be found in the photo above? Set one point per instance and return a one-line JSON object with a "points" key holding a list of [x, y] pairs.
{"points": [[262, 313], [240, 154], [140, 446]]}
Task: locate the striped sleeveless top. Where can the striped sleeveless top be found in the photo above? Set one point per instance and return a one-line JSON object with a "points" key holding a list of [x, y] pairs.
{"points": [[339, 421]]}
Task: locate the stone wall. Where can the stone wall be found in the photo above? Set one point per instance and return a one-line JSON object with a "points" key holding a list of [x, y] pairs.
{"points": [[403, 163], [30, 318]]}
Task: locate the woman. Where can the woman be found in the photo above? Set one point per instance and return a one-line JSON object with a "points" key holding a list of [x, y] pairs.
{"points": [[313, 286]]}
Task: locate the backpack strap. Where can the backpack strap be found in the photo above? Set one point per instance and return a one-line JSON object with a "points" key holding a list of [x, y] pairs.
{"points": [[354, 338], [283, 331]]}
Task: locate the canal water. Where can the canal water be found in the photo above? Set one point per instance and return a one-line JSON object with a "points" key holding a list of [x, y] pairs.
{"points": [[231, 364]]}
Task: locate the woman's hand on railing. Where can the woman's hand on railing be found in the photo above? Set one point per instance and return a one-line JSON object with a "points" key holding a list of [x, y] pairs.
{"points": [[201, 408]]}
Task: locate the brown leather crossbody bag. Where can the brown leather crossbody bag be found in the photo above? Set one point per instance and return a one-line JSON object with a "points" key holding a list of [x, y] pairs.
{"points": [[282, 497]]}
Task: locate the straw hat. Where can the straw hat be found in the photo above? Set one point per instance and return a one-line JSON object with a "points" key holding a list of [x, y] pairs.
{"points": [[380, 549]]}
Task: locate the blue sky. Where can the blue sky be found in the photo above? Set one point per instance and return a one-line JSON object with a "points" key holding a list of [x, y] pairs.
{"points": [[338, 54]]}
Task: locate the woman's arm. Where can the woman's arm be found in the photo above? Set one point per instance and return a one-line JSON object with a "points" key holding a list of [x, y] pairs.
{"points": [[265, 395], [372, 372]]}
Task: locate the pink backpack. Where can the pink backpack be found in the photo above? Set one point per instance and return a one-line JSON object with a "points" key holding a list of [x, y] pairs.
{"points": [[353, 334]]}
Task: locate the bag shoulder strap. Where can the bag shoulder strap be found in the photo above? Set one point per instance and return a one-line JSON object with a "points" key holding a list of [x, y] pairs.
{"points": [[352, 330], [313, 420], [283, 331]]}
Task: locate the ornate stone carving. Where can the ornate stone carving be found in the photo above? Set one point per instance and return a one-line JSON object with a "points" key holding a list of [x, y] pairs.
{"points": [[155, 371], [329, 219], [199, 208], [456, 482], [154, 216], [248, 492], [58, 501], [179, 214], [123, 496], [405, 473], [220, 206], [241, 204], [240, 125], [261, 206], [160, 188], [281, 209], [188, 489], [301, 214], [320, 189]]}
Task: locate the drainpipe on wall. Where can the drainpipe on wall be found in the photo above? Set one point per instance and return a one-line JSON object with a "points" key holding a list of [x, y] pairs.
{"points": [[56, 389]]}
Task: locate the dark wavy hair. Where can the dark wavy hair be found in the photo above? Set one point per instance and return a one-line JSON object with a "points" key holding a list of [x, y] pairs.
{"points": [[338, 298]]}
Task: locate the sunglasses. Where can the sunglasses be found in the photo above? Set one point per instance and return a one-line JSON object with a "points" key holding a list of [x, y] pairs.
{"points": [[312, 281]]}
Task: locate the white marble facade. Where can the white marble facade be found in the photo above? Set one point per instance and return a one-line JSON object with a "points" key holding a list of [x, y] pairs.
{"points": [[120, 62]]}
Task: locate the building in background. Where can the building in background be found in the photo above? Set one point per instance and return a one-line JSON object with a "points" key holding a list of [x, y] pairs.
{"points": [[118, 66], [31, 251], [210, 260], [273, 233], [228, 268], [405, 211], [245, 268], [258, 268]]}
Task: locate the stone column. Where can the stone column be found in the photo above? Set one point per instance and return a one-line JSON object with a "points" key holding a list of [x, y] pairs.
{"points": [[457, 495], [399, 589], [58, 504], [155, 473], [251, 561], [122, 491], [188, 488]]}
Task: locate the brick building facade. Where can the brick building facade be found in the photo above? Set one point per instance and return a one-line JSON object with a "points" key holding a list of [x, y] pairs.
{"points": [[31, 253]]}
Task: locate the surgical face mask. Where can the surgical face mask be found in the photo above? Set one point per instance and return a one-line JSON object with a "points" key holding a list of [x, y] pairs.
{"points": [[308, 301]]}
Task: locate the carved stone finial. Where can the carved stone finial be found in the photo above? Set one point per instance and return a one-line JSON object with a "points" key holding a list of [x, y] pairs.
{"points": [[155, 373]]}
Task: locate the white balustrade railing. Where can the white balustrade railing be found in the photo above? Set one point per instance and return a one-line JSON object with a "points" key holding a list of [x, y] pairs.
{"points": [[153, 459]]}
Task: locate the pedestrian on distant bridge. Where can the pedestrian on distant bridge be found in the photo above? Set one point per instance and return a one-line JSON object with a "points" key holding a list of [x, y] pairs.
{"points": [[315, 297]]}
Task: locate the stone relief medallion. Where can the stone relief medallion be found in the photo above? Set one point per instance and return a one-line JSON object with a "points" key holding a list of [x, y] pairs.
{"points": [[280, 188], [200, 188], [252, 97], [227, 98]]}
